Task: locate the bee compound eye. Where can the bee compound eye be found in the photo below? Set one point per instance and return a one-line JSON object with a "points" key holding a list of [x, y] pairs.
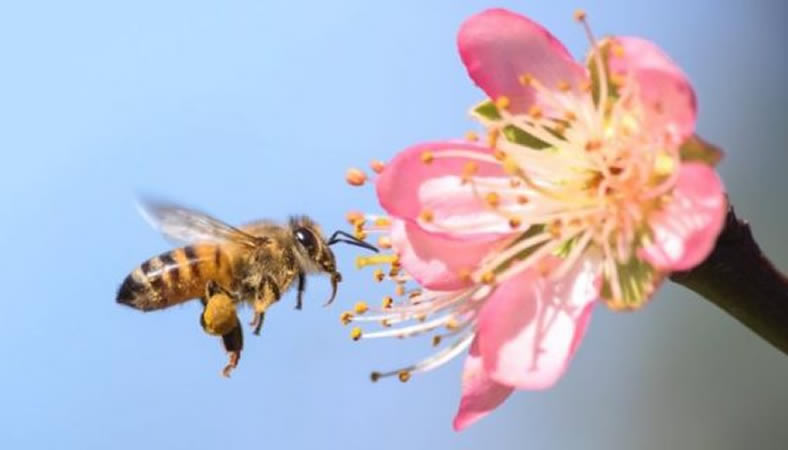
{"points": [[307, 239]]}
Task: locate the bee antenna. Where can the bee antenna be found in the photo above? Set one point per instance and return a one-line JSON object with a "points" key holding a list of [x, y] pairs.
{"points": [[347, 238]]}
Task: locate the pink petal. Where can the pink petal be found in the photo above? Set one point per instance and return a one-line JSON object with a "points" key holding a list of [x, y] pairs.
{"points": [[498, 47], [480, 394], [437, 261], [686, 229], [407, 186], [666, 93], [529, 327]]}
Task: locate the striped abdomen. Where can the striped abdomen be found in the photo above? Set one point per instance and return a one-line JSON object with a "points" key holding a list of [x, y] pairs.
{"points": [[175, 276]]}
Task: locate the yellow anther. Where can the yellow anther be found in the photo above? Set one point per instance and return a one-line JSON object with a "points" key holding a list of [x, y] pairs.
{"points": [[378, 275], [515, 222], [664, 164], [361, 307], [394, 271], [593, 145], [355, 177], [377, 166], [488, 278], [360, 234], [564, 86], [585, 86], [413, 296], [498, 154], [464, 274], [436, 340], [535, 112], [384, 242], [388, 302], [383, 222], [503, 102], [420, 317], [404, 376], [569, 116], [470, 168], [426, 215], [493, 199], [452, 324], [579, 15], [522, 199], [355, 333], [618, 50], [346, 317], [555, 229], [560, 129], [427, 157], [471, 136], [385, 323], [492, 137], [354, 217], [374, 377], [526, 79], [399, 290], [514, 182], [618, 80]]}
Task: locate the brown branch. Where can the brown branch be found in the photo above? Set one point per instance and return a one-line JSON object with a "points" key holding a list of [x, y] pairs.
{"points": [[739, 279]]}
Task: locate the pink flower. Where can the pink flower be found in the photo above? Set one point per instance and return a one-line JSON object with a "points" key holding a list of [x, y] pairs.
{"points": [[581, 192]]}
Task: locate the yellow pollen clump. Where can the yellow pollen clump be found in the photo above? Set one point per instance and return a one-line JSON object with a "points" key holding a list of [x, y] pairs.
{"points": [[387, 302], [374, 377], [427, 157], [360, 234], [354, 217], [579, 15], [404, 376], [493, 199], [426, 215], [526, 79], [346, 317], [515, 222], [384, 242], [452, 324], [355, 333], [564, 86], [378, 275], [377, 166], [522, 199], [535, 112], [355, 177], [492, 137], [503, 102], [488, 278], [436, 340], [471, 136], [361, 307]]}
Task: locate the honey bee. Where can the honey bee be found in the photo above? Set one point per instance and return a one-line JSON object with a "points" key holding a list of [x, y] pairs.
{"points": [[223, 266]]}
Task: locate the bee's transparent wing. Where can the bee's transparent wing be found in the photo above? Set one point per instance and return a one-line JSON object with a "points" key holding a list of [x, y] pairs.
{"points": [[183, 225]]}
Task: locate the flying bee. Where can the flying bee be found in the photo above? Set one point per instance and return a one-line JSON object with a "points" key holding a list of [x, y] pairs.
{"points": [[223, 266]]}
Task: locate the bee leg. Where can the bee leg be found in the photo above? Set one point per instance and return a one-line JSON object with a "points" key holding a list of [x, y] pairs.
{"points": [[301, 289], [233, 344], [269, 293], [212, 288]]}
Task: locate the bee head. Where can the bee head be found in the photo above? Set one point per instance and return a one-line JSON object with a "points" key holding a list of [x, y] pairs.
{"points": [[315, 251]]}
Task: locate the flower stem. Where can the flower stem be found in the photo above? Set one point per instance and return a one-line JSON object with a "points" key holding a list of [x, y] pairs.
{"points": [[739, 279]]}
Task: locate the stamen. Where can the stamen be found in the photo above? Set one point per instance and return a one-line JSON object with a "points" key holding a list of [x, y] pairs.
{"points": [[364, 261], [377, 166], [355, 333], [426, 215], [471, 136], [580, 16], [384, 242], [503, 102], [346, 317], [361, 307], [427, 157], [355, 177], [354, 217]]}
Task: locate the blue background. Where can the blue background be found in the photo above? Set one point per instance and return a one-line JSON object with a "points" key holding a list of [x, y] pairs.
{"points": [[254, 108]]}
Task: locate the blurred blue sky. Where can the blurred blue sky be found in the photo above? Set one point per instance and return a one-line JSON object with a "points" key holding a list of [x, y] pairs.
{"points": [[255, 108]]}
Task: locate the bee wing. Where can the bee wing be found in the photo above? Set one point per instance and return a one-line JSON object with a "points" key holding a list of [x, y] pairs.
{"points": [[184, 225]]}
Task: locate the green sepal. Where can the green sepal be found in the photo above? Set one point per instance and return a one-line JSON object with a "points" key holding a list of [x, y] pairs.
{"points": [[487, 113], [637, 280], [698, 150]]}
